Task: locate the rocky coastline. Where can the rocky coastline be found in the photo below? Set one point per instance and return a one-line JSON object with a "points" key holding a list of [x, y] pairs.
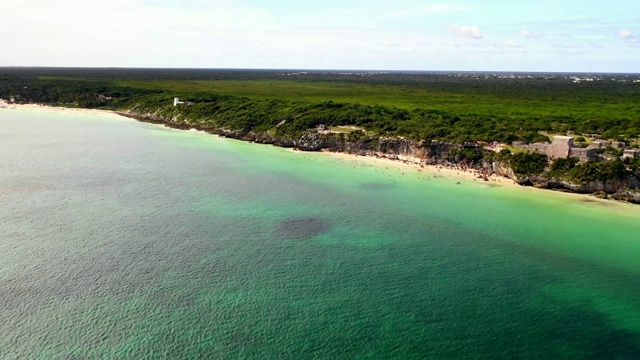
{"points": [[434, 153]]}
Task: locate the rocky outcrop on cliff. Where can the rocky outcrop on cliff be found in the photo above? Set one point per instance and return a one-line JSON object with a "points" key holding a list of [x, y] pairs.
{"points": [[310, 141], [622, 190], [627, 195], [501, 168], [590, 187], [432, 152]]}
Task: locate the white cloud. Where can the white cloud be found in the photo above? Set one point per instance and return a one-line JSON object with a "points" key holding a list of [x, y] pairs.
{"points": [[511, 44], [390, 43], [130, 32], [381, 34], [472, 32], [627, 35], [525, 33], [432, 9], [505, 47]]}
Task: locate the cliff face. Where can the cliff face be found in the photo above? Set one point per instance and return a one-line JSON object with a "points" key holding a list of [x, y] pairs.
{"points": [[389, 146], [310, 140], [177, 122], [624, 190], [434, 152]]}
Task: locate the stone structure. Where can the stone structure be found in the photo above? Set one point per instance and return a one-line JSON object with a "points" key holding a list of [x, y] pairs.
{"points": [[561, 147], [583, 154], [631, 153]]}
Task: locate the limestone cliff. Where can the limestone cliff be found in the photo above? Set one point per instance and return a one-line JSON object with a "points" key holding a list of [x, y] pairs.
{"points": [[433, 152], [625, 190]]}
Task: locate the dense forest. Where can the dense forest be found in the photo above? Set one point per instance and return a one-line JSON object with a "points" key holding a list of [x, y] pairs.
{"points": [[449, 107], [456, 108]]}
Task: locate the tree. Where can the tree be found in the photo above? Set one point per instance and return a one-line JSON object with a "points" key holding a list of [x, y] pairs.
{"points": [[528, 163]]}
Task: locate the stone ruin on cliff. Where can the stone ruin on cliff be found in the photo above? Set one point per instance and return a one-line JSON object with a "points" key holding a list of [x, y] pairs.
{"points": [[560, 147]]}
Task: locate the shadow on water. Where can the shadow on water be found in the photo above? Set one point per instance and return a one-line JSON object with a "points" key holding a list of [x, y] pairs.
{"points": [[592, 333], [480, 311], [567, 332]]}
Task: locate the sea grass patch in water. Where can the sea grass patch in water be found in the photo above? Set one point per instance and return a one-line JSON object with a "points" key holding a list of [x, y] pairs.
{"points": [[301, 228], [376, 186]]}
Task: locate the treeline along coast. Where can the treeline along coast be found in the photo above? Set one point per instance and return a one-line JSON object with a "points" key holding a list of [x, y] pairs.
{"points": [[571, 132]]}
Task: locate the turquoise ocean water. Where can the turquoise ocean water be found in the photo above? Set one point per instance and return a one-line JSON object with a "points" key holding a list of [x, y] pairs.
{"points": [[127, 240]]}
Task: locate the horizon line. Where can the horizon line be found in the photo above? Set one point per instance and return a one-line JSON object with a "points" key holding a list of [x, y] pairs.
{"points": [[320, 70]]}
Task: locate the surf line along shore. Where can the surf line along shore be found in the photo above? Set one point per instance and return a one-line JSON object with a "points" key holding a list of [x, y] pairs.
{"points": [[400, 162], [404, 163], [456, 174]]}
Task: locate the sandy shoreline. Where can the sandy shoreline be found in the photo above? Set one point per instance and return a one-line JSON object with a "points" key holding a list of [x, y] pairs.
{"points": [[455, 175], [52, 108], [402, 163], [415, 164]]}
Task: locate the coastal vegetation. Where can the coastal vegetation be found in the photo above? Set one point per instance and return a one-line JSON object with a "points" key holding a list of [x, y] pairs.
{"points": [[449, 107], [288, 107]]}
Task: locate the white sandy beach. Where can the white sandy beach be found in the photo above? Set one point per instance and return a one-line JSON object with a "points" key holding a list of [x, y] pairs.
{"points": [[414, 164], [455, 175], [8, 106]]}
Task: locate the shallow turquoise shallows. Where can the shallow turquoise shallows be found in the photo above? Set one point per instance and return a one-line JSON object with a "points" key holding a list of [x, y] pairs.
{"points": [[126, 240]]}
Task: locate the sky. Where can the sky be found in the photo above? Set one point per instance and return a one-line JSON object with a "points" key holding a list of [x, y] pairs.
{"points": [[485, 35]]}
